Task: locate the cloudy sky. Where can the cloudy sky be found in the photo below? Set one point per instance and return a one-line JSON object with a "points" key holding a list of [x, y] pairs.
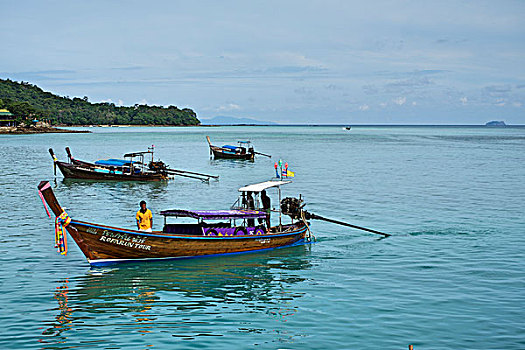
{"points": [[346, 62]]}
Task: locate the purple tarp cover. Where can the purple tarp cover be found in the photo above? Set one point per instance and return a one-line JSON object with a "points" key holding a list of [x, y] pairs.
{"points": [[215, 214]]}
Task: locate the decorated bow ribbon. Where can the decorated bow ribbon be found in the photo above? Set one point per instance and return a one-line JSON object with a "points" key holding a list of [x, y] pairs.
{"points": [[60, 233]]}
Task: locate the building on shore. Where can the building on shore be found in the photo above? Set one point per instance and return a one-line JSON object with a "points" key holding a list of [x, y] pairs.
{"points": [[7, 119]]}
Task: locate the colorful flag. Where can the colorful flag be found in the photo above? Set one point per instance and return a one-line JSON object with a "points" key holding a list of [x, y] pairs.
{"points": [[284, 172]]}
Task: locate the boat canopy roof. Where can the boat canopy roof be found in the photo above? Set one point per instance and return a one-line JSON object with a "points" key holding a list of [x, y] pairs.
{"points": [[113, 162], [215, 214], [136, 154], [233, 148], [262, 186]]}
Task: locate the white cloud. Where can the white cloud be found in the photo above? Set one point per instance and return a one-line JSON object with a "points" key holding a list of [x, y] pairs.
{"points": [[352, 54], [293, 58], [400, 101], [106, 101], [229, 107], [414, 103], [142, 102], [120, 103]]}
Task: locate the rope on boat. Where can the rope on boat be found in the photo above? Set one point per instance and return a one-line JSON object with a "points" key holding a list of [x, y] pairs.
{"points": [[61, 222], [310, 234]]}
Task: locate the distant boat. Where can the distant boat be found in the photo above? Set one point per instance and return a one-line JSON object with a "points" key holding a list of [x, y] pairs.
{"points": [[243, 151], [347, 127]]}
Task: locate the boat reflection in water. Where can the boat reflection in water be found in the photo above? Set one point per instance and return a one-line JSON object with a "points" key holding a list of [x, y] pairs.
{"points": [[120, 190], [184, 297]]}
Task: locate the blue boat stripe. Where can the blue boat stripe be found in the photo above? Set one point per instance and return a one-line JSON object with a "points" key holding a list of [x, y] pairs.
{"points": [[104, 262]]}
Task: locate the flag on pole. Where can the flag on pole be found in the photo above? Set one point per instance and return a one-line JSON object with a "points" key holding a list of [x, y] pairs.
{"points": [[282, 172]]}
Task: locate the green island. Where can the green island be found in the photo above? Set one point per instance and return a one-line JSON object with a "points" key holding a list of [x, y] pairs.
{"points": [[26, 105]]}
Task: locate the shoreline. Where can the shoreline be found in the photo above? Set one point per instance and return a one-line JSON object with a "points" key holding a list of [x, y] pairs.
{"points": [[66, 128], [38, 130]]}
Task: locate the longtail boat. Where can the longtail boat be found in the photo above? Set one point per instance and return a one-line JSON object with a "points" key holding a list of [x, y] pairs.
{"points": [[132, 168], [235, 232], [244, 151]]}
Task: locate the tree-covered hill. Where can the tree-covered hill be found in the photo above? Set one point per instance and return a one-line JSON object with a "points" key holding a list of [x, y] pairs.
{"points": [[29, 101]]}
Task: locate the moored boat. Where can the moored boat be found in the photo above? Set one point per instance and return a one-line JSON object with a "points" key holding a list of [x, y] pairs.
{"points": [[236, 232], [244, 151], [132, 168], [124, 171]]}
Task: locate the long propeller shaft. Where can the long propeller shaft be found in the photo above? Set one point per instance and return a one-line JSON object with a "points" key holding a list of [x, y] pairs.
{"points": [[190, 172], [262, 154], [314, 216], [192, 177]]}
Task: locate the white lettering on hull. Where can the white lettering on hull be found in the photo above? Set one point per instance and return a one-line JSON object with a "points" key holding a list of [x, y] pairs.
{"points": [[118, 238], [125, 243]]}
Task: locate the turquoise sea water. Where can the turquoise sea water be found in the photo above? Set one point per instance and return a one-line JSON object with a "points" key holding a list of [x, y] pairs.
{"points": [[451, 276]]}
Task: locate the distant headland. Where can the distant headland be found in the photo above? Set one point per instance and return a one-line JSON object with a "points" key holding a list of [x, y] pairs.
{"points": [[227, 120], [496, 123], [29, 104]]}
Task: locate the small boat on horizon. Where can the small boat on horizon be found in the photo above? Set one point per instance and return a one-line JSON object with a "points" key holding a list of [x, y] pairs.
{"points": [[347, 127], [244, 151]]}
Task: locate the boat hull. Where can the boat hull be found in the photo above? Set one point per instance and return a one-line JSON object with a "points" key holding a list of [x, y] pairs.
{"points": [[218, 153], [103, 245], [73, 171]]}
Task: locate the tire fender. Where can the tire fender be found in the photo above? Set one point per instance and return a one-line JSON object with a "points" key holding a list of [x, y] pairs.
{"points": [[211, 232], [240, 231]]}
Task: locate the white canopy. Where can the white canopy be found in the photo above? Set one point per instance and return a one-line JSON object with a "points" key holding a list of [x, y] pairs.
{"points": [[262, 186]]}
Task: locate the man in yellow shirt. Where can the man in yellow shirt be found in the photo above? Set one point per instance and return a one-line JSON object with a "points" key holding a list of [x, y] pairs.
{"points": [[144, 218]]}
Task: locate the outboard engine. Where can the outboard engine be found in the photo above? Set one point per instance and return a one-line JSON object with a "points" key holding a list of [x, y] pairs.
{"points": [[158, 166], [292, 207]]}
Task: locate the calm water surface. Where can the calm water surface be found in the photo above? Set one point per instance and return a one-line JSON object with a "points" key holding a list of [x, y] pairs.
{"points": [[451, 276]]}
